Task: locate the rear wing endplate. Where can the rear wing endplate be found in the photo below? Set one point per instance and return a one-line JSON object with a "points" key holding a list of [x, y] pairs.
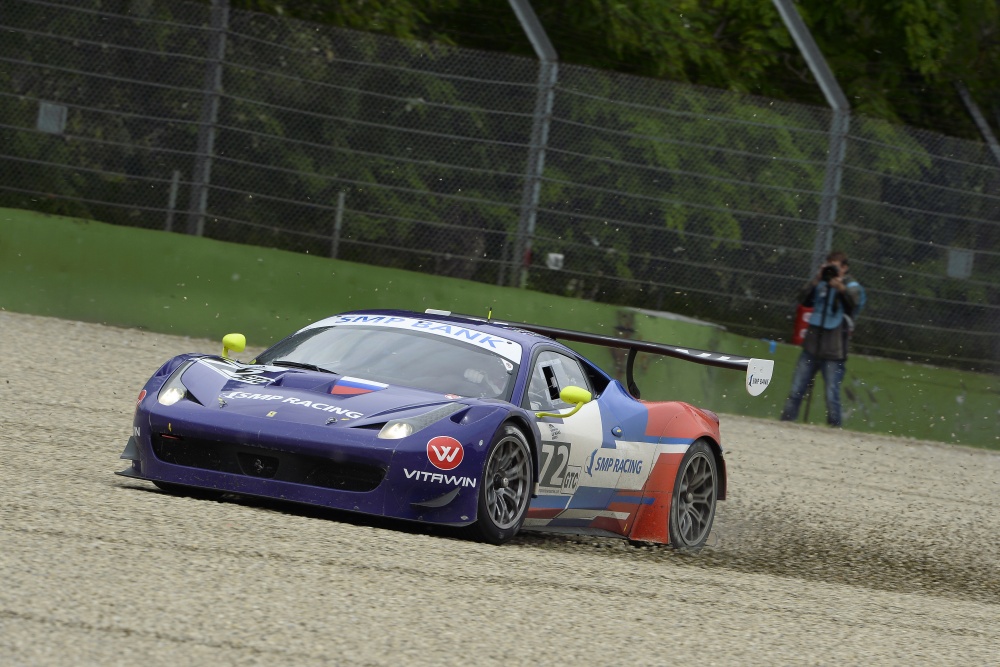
{"points": [[758, 371]]}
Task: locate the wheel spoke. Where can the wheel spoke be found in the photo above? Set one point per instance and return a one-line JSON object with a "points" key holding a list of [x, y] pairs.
{"points": [[703, 497], [509, 504], [699, 476], [505, 460], [500, 507]]}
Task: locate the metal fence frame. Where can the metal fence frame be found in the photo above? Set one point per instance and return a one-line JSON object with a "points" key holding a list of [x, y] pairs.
{"points": [[568, 156]]}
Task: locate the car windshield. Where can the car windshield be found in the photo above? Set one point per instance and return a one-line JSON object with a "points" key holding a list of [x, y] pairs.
{"points": [[408, 358]]}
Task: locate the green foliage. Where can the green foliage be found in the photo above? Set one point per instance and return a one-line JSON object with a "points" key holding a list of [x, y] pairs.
{"points": [[895, 60], [406, 19]]}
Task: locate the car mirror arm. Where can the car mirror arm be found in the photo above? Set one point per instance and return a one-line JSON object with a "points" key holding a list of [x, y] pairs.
{"points": [[572, 412], [570, 394]]}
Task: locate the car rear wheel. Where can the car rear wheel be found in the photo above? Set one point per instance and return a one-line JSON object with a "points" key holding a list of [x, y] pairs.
{"points": [[696, 490], [189, 491], [505, 490]]}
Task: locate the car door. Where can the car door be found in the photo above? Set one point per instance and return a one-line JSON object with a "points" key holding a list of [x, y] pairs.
{"points": [[572, 492]]}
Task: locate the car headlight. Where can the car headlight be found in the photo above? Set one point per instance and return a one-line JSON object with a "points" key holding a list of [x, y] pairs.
{"points": [[173, 389], [401, 428], [395, 430]]}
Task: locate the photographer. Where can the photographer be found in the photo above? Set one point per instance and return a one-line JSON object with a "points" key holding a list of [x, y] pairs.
{"points": [[833, 294]]}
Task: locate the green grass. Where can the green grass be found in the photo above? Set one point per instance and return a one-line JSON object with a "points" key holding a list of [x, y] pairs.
{"points": [[178, 284]]}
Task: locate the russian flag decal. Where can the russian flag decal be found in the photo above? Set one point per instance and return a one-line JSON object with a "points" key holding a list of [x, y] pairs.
{"points": [[348, 386]]}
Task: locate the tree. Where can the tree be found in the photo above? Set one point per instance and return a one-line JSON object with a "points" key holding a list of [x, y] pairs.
{"points": [[895, 60]]}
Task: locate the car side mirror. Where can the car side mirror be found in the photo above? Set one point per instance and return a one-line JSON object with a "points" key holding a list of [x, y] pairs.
{"points": [[235, 341], [574, 395]]}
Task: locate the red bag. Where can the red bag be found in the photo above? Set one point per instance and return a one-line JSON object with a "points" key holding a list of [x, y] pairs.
{"points": [[802, 314]]}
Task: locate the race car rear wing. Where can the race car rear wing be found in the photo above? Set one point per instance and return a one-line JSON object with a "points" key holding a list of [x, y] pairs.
{"points": [[758, 371]]}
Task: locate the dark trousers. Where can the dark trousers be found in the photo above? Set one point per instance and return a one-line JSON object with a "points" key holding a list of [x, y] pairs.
{"points": [[805, 370]]}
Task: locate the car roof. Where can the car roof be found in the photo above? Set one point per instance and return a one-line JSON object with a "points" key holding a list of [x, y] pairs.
{"points": [[530, 336]]}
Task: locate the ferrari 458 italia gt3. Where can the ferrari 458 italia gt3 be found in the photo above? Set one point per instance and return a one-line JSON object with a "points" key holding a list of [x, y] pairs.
{"points": [[443, 419]]}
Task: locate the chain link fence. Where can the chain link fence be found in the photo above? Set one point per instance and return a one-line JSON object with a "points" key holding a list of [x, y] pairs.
{"points": [[257, 129]]}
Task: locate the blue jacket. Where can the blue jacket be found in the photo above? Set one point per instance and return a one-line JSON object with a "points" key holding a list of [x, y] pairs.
{"points": [[828, 310], [829, 325]]}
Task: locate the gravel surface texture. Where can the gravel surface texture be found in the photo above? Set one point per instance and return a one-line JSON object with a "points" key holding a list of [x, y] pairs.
{"points": [[833, 548]]}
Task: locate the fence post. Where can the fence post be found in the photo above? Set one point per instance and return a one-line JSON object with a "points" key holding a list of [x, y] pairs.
{"points": [[838, 125], [201, 175], [548, 73], [338, 222], [978, 119]]}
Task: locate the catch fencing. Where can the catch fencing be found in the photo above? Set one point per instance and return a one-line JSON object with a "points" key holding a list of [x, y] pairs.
{"points": [[264, 130]]}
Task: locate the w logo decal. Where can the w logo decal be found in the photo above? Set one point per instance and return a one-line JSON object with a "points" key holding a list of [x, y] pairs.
{"points": [[444, 453]]}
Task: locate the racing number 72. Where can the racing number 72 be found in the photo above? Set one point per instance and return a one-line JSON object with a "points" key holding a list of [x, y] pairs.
{"points": [[550, 451]]}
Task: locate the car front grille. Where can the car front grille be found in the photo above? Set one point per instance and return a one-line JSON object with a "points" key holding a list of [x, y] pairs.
{"points": [[237, 459]]}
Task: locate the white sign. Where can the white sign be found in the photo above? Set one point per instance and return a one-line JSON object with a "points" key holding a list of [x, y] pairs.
{"points": [[759, 375]]}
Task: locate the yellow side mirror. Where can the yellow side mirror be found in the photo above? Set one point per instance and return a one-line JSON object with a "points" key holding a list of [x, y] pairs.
{"points": [[570, 394], [235, 341]]}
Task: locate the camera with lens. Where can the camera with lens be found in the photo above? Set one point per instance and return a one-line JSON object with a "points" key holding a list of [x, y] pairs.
{"points": [[830, 271]]}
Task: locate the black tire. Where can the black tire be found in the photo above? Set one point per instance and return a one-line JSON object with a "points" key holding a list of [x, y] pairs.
{"points": [[505, 491], [188, 491], [696, 491]]}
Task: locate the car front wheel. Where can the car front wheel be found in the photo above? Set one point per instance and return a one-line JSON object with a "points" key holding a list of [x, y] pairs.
{"points": [[505, 490], [696, 490]]}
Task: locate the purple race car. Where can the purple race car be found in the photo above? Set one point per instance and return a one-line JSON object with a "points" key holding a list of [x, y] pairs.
{"points": [[442, 419]]}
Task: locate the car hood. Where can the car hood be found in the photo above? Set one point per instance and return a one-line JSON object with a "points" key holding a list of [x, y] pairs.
{"points": [[302, 396]]}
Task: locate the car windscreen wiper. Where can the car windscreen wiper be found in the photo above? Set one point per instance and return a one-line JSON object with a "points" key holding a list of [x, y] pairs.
{"points": [[298, 364]]}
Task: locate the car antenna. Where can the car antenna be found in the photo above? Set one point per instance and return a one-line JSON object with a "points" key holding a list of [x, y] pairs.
{"points": [[489, 313]]}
